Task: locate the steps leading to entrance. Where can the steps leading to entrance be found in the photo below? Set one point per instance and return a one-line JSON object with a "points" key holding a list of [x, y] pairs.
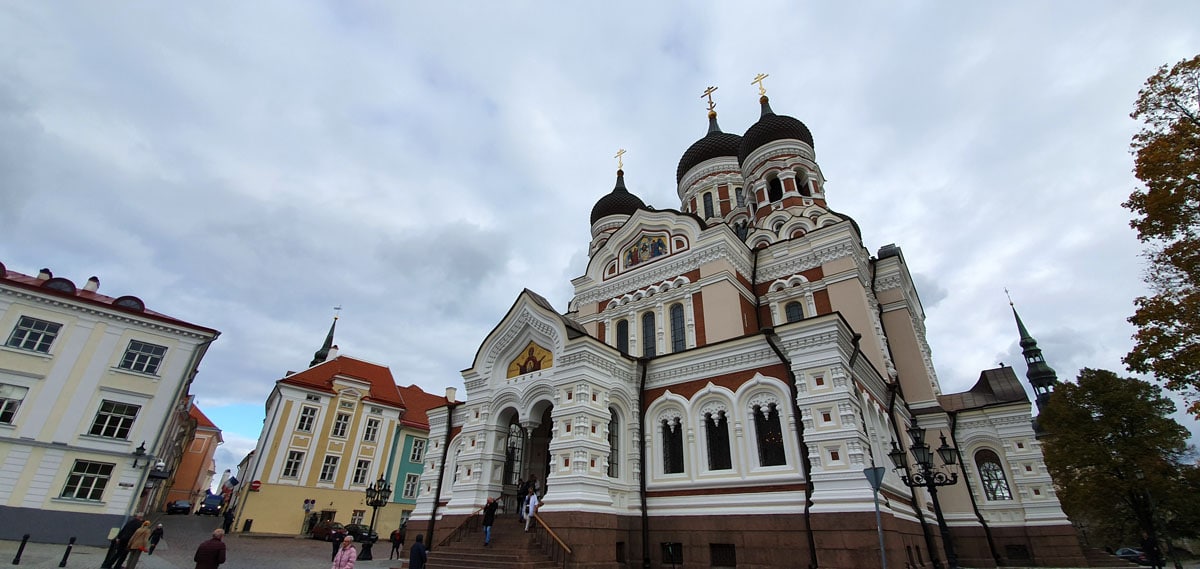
{"points": [[1099, 558], [511, 548]]}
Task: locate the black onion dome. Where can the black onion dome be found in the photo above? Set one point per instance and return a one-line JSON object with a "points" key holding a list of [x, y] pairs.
{"points": [[769, 128], [715, 144], [617, 202]]}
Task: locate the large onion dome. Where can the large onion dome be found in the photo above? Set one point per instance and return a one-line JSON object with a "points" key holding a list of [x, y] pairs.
{"points": [[617, 202], [769, 128], [715, 144]]}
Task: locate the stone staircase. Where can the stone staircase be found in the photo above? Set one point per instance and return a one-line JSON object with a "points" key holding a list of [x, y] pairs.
{"points": [[1100, 558], [511, 548]]}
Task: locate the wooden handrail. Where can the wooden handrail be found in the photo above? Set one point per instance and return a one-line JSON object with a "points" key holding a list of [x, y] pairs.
{"points": [[563, 551]]}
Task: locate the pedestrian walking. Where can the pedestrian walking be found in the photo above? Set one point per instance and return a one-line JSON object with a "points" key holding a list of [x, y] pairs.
{"points": [[531, 506], [344, 559], [418, 555], [1153, 553], [155, 537], [489, 518], [397, 538], [211, 553], [120, 544], [139, 543], [522, 494], [337, 544], [228, 520]]}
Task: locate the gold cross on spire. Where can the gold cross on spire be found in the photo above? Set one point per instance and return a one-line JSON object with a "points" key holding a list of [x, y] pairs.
{"points": [[708, 93], [620, 163], [337, 311], [1010, 302], [758, 80]]}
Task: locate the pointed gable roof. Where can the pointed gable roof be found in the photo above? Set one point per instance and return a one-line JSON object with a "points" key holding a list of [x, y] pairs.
{"points": [[995, 387], [202, 420], [321, 376], [418, 403]]}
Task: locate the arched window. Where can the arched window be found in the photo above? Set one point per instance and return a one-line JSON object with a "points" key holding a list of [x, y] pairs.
{"points": [[770, 435], [995, 486], [648, 348], [623, 336], [793, 311], [740, 196], [742, 229], [614, 439], [708, 205], [716, 431], [774, 189], [672, 433], [678, 341], [802, 183], [514, 450]]}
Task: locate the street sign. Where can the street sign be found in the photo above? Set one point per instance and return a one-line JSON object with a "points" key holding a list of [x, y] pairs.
{"points": [[254, 486]]}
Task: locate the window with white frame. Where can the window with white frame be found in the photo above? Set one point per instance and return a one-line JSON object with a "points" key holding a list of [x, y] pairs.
{"points": [[143, 357], [33, 334], [87, 480], [418, 451], [793, 311], [291, 467], [360, 471], [648, 336], [769, 432], [716, 435], [371, 432], [357, 516], [678, 339], [708, 205], [672, 433], [114, 420], [991, 473], [11, 397], [623, 336], [410, 486], [340, 425], [329, 468], [308, 415]]}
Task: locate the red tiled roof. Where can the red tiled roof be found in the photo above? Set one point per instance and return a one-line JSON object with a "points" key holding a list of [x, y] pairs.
{"points": [[201, 419], [21, 280], [419, 403], [320, 378]]}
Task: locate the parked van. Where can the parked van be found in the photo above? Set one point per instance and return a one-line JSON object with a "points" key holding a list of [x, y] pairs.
{"points": [[211, 505]]}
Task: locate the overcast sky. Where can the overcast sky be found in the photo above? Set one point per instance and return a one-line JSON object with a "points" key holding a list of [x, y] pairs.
{"points": [[248, 166]]}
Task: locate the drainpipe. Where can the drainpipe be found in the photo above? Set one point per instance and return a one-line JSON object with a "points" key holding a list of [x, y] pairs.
{"points": [[641, 363], [987, 531], [437, 495]]}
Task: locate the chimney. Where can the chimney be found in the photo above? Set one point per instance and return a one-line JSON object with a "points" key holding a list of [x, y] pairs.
{"points": [[45, 275], [333, 353], [450, 393], [92, 284]]}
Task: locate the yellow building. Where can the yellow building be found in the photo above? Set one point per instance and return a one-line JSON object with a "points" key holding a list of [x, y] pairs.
{"points": [[88, 387], [325, 439]]}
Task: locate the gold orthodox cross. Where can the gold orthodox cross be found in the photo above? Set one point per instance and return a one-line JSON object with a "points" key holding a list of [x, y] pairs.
{"points": [[758, 80], [1010, 303], [708, 93], [620, 163], [337, 311]]}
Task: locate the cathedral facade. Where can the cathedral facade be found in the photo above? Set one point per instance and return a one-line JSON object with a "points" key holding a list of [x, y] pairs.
{"points": [[721, 379]]}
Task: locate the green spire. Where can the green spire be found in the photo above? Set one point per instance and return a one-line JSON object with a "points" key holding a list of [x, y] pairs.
{"points": [[1041, 376], [320, 355]]}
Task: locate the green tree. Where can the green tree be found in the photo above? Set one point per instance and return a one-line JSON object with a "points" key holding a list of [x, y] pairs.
{"points": [[1167, 219], [1118, 458]]}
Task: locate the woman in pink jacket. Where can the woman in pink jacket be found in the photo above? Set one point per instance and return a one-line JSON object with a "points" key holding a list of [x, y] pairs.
{"points": [[346, 555]]}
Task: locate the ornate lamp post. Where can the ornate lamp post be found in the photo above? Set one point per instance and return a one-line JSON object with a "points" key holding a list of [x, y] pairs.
{"points": [[378, 495], [926, 475]]}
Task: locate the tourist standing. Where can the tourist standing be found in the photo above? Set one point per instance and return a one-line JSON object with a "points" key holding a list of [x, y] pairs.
{"points": [[137, 544], [397, 538], [346, 555], [531, 506], [418, 555], [120, 545], [155, 537], [228, 519], [211, 553], [489, 518]]}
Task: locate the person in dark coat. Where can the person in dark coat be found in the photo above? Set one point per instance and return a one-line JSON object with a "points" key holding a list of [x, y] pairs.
{"points": [[121, 542], [1153, 553], [398, 540], [211, 553], [418, 555], [155, 537], [489, 519], [228, 519]]}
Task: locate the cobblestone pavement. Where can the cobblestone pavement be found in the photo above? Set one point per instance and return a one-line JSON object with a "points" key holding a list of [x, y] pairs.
{"points": [[181, 536]]}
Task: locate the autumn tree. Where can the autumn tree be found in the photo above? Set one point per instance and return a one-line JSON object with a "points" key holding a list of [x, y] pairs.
{"points": [[1118, 459], [1167, 219]]}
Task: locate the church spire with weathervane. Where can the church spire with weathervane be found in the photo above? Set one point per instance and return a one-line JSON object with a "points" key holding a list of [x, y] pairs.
{"points": [[1041, 376], [322, 354]]}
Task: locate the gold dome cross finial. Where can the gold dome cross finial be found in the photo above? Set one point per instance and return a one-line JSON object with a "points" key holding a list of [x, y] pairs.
{"points": [[758, 80], [708, 93], [337, 311], [620, 162]]}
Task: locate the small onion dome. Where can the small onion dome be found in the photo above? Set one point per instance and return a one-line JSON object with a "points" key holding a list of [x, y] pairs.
{"points": [[715, 144], [769, 128], [618, 202]]}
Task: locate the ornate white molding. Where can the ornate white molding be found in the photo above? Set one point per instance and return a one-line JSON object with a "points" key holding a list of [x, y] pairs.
{"points": [[147, 322]]}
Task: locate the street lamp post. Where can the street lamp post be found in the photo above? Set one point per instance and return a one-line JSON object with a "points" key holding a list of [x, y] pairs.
{"points": [[926, 475], [378, 495]]}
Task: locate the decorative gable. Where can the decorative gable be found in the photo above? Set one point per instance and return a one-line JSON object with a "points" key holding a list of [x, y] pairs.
{"points": [[531, 359]]}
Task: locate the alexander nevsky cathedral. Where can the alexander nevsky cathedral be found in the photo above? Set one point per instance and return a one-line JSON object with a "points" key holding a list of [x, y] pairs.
{"points": [[731, 382]]}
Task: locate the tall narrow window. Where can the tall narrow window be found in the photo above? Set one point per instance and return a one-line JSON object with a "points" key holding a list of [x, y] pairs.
{"points": [[33, 334], [708, 205], [87, 480], [614, 439], [648, 336], [11, 397], [672, 433], [623, 336], [371, 432], [774, 189], [410, 486], [740, 196], [340, 425], [802, 184], [716, 431], [794, 311], [770, 435], [418, 451], [329, 469], [291, 468], [678, 339], [995, 486], [307, 416], [361, 470]]}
